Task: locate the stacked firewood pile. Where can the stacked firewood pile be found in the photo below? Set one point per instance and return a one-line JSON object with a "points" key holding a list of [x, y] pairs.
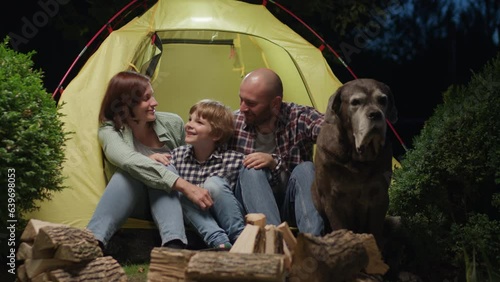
{"points": [[272, 253], [55, 252]]}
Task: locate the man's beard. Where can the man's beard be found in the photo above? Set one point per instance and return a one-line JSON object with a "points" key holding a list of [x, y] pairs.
{"points": [[256, 120]]}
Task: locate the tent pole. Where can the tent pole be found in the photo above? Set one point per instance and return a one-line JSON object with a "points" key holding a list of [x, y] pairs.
{"points": [[108, 26], [336, 55]]}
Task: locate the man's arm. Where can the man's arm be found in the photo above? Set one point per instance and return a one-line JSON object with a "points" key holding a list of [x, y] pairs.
{"points": [[310, 122]]}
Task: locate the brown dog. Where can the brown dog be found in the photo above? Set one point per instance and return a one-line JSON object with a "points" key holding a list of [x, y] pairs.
{"points": [[353, 159]]}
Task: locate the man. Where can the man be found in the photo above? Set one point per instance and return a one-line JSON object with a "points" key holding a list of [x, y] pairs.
{"points": [[277, 139]]}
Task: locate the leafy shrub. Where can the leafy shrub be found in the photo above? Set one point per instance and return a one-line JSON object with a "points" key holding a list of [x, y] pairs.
{"points": [[447, 191], [32, 138]]}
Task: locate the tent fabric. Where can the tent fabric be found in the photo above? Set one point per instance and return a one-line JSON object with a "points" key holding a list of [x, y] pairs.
{"points": [[207, 48]]}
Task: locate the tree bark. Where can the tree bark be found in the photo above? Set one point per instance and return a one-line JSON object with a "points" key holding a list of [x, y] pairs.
{"points": [[77, 252], [50, 237], [99, 269]]}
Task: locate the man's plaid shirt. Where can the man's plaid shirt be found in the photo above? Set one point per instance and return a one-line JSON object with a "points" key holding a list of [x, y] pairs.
{"points": [[296, 133], [222, 163]]}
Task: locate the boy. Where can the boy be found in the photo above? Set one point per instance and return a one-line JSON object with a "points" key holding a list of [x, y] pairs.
{"points": [[206, 162]]}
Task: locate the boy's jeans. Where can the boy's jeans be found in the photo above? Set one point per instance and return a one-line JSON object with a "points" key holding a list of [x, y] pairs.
{"points": [[224, 221]]}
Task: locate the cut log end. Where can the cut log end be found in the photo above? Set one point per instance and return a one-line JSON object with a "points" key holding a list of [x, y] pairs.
{"points": [[341, 254]]}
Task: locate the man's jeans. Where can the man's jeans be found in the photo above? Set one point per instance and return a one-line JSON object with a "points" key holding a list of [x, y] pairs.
{"points": [[126, 197], [254, 192], [224, 221]]}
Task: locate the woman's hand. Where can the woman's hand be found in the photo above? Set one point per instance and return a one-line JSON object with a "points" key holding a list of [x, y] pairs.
{"points": [[161, 158], [259, 160]]}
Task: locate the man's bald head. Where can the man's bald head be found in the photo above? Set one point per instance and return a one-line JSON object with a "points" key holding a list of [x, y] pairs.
{"points": [[266, 80], [261, 94]]}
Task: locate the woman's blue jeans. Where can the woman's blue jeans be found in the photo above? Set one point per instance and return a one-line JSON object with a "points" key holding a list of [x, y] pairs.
{"points": [[256, 195], [126, 197]]}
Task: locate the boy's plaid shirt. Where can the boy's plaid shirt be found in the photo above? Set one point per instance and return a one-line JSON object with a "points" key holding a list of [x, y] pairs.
{"points": [[222, 163], [296, 133]]}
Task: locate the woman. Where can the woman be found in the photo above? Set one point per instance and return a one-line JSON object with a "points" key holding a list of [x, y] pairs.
{"points": [[136, 141]]}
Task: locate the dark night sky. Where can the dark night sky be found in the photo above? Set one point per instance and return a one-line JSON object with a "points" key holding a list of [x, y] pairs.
{"points": [[54, 54], [417, 85]]}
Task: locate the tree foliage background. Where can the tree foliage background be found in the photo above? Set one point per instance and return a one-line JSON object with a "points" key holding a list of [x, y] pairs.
{"points": [[31, 137], [448, 189]]}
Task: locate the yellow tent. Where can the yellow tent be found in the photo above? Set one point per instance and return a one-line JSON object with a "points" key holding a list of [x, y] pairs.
{"points": [[206, 48]]}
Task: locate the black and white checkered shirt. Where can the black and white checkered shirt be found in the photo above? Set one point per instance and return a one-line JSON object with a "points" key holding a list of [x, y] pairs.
{"points": [[222, 163]]}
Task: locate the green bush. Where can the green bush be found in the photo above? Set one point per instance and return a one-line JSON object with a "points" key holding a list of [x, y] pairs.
{"points": [[32, 137], [447, 191]]}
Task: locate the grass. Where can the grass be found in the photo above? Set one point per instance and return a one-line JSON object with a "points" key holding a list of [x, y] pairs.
{"points": [[136, 272]]}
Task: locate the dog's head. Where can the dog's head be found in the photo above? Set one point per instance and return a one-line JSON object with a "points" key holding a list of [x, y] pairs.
{"points": [[362, 106]]}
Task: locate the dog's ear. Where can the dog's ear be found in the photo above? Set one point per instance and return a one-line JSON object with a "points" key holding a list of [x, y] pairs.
{"points": [[392, 112], [335, 101]]}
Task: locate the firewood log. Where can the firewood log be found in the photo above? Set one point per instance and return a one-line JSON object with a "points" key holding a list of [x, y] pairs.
{"points": [[274, 240], [37, 266], [168, 265], [225, 266], [258, 219], [100, 269], [32, 228], [50, 237], [251, 240], [77, 252], [290, 240], [24, 251], [340, 255]]}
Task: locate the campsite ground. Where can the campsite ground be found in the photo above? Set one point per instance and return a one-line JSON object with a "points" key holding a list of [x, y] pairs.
{"points": [[136, 272]]}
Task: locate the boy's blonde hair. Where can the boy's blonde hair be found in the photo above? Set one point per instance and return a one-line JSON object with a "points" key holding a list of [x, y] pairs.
{"points": [[219, 116]]}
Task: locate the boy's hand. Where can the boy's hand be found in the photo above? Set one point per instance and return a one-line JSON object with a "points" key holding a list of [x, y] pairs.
{"points": [[161, 158], [200, 197], [259, 160]]}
